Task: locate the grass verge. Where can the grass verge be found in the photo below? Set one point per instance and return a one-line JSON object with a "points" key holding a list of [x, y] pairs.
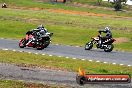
{"points": [[21, 84], [61, 63], [68, 6]]}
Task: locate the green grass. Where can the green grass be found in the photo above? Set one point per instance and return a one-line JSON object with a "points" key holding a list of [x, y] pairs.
{"points": [[126, 46], [75, 29], [93, 2], [85, 1], [64, 19], [68, 6], [22, 84], [61, 63]]}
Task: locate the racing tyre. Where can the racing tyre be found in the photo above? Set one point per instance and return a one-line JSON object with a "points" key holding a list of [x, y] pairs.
{"points": [[88, 46], [108, 48], [22, 43], [80, 80], [39, 48], [47, 44]]}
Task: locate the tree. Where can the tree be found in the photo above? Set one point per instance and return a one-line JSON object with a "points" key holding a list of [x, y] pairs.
{"points": [[118, 4], [99, 2]]}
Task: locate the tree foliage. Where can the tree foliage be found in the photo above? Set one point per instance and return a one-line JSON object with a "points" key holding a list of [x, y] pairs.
{"points": [[99, 2], [118, 4]]}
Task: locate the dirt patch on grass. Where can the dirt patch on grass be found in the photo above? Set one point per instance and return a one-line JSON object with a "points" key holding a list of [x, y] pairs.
{"points": [[87, 13], [34, 85], [42, 0], [122, 40], [76, 12], [41, 66], [69, 12], [77, 4]]}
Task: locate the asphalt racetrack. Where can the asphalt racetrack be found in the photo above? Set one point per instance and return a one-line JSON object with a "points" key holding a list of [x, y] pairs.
{"points": [[122, 58]]}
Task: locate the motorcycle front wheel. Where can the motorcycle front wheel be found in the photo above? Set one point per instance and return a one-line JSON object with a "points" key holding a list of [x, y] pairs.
{"points": [[88, 46], [22, 43]]}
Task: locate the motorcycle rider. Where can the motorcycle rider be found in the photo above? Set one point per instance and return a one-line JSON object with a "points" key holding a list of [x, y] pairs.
{"points": [[42, 28], [106, 37], [37, 33], [4, 5]]}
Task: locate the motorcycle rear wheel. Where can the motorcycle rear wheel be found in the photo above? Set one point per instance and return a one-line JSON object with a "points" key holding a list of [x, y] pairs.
{"points": [[108, 48]]}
